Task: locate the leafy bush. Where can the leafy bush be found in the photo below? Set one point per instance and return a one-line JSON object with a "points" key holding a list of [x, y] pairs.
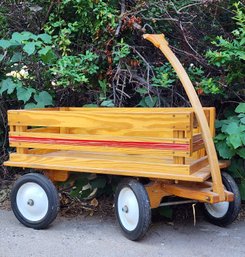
{"points": [[229, 57], [75, 70], [17, 75], [230, 140]]}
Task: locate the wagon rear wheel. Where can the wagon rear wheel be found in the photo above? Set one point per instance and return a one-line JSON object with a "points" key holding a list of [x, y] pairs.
{"points": [[224, 213], [132, 208], [35, 201]]}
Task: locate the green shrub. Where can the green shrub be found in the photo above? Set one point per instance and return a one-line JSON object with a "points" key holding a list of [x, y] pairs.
{"points": [[17, 75], [229, 57], [230, 139]]}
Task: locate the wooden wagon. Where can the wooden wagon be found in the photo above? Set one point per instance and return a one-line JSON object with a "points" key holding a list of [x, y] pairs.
{"points": [[171, 147]]}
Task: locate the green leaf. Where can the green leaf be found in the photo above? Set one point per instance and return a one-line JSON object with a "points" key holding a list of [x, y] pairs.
{"points": [[30, 48], [242, 120], [218, 123], [49, 57], [224, 151], [107, 103], [231, 128], [220, 136], [142, 103], [240, 108], [241, 152], [1, 57], [44, 50], [24, 94], [150, 101], [23, 36], [43, 99], [31, 106], [8, 85], [141, 90], [5, 43], [17, 57], [47, 39], [235, 140], [236, 168], [18, 37], [242, 135], [242, 128]]}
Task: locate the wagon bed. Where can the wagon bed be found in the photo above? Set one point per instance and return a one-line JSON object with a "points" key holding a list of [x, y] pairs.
{"points": [[159, 143]]}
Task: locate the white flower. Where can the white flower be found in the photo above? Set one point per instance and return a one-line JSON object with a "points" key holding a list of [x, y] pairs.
{"points": [[14, 74], [22, 74]]}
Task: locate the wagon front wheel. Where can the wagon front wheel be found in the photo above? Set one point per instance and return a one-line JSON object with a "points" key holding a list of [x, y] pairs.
{"points": [[35, 201], [224, 213], [133, 209]]}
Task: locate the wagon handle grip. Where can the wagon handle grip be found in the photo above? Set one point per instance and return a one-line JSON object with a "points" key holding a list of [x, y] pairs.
{"points": [[160, 42]]}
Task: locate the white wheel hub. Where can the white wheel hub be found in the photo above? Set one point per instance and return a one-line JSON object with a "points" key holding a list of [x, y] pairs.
{"points": [[32, 201], [217, 210], [128, 209]]}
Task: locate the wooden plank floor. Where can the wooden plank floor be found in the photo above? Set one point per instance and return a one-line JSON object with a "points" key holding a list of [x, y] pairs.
{"points": [[114, 164]]}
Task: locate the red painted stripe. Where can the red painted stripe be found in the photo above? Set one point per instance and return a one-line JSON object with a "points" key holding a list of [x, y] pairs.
{"points": [[124, 144]]}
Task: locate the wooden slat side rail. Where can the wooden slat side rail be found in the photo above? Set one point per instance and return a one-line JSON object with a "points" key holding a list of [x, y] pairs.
{"points": [[123, 168], [106, 149], [103, 123], [175, 140]]}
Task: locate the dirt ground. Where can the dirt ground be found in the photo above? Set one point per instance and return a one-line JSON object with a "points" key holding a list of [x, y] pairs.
{"points": [[94, 236]]}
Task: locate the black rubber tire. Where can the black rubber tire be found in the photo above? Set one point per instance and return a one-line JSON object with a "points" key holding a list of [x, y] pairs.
{"points": [[52, 195], [234, 207], [144, 209]]}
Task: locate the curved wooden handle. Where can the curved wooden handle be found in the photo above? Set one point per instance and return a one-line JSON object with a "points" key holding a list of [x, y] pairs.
{"points": [[160, 42]]}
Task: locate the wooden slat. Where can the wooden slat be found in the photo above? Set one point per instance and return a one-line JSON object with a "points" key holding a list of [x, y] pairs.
{"points": [[102, 149], [150, 170], [212, 121], [179, 134], [127, 124], [195, 192], [91, 164], [43, 130], [112, 156], [197, 142], [44, 135], [20, 149], [199, 164]]}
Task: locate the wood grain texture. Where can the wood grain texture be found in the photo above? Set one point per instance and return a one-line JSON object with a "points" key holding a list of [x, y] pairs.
{"points": [[133, 166], [105, 149], [156, 193], [197, 192]]}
